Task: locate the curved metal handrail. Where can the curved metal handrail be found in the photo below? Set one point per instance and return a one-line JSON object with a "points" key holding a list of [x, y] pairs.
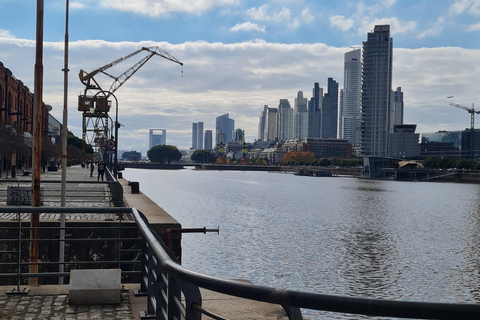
{"points": [[291, 301]]}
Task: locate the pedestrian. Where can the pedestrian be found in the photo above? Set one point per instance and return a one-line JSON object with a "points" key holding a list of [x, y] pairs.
{"points": [[92, 167], [101, 170]]}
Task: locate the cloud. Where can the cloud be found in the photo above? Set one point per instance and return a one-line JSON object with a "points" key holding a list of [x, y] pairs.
{"points": [[474, 27], [465, 6], [6, 34], [162, 7], [341, 23], [433, 30], [238, 78], [307, 16], [280, 16], [77, 5], [247, 26]]}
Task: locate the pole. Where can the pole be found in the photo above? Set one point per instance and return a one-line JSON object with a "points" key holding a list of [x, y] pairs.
{"points": [[37, 142], [65, 70], [115, 165]]}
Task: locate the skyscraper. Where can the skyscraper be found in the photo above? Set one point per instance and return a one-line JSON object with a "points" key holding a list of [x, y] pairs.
{"points": [[197, 135], [315, 112], [300, 117], [225, 125], [397, 108], [261, 123], [330, 110], [285, 120], [155, 139], [270, 131], [208, 139], [376, 91], [350, 107]]}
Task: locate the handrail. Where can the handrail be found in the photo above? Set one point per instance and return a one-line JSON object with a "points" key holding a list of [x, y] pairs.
{"points": [[292, 301], [165, 281]]}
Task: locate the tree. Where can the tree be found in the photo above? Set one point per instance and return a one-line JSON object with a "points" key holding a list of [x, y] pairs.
{"points": [[131, 155], [203, 156], [164, 153]]}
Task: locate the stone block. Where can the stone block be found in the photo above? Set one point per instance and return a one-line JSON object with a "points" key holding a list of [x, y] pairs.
{"points": [[95, 286]]}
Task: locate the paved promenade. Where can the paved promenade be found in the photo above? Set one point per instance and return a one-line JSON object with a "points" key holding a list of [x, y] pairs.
{"points": [[51, 301]]}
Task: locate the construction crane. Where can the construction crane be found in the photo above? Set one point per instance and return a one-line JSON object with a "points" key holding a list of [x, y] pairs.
{"points": [[472, 112], [94, 102]]}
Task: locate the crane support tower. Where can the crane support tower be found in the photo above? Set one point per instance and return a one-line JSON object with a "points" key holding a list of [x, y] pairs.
{"points": [[94, 103], [472, 112]]}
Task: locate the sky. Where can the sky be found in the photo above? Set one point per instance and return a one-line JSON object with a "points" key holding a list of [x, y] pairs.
{"points": [[241, 55]]}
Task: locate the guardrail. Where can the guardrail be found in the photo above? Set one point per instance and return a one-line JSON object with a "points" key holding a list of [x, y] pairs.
{"points": [[173, 292]]}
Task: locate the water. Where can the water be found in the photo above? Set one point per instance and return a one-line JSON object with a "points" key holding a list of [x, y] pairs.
{"points": [[343, 236]]}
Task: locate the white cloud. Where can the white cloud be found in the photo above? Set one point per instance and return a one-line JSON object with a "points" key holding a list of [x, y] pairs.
{"points": [[396, 26], [462, 6], [6, 34], [162, 7], [247, 26], [341, 23], [283, 16], [474, 27], [239, 79], [307, 16], [433, 30], [77, 5]]}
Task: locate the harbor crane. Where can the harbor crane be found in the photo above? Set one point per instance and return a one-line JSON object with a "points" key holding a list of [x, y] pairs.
{"points": [[94, 101], [472, 112]]}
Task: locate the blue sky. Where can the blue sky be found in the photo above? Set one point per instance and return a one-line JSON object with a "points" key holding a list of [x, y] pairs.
{"points": [[241, 55]]}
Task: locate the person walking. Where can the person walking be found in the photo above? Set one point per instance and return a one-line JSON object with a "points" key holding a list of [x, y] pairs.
{"points": [[101, 170], [92, 167]]}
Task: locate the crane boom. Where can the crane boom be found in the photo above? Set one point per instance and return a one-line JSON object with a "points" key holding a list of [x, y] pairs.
{"points": [[88, 78]]}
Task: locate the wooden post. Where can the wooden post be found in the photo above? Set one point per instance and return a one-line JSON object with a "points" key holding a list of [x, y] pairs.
{"points": [[37, 142]]}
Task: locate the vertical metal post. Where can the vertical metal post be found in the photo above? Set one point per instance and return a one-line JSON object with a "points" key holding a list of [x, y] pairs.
{"points": [[37, 141], [64, 150]]}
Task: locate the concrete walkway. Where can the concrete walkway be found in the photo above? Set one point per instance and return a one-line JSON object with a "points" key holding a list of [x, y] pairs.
{"points": [[51, 301]]}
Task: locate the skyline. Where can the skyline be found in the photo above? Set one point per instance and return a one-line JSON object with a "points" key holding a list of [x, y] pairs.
{"points": [[248, 55]]}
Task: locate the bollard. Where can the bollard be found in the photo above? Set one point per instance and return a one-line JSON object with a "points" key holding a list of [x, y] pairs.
{"points": [[119, 175], [135, 186]]}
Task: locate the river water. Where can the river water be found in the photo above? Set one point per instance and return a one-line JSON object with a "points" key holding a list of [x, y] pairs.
{"points": [[331, 235]]}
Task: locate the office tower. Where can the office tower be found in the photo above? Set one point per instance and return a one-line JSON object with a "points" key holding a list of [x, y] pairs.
{"points": [[397, 108], [351, 97], [261, 123], [376, 91], [315, 112], [238, 135], [225, 125], [208, 140], [330, 110], [194, 136], [300, 117], [270, 131], [157, 137], [285, 120]]}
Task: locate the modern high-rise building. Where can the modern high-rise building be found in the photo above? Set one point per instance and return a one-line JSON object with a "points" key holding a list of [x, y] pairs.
{"points": [[225, 125], [350, 106], [157, 137], [396, 112], [238, 135], [300, 117], [376, 91], [271, 119], [285, 120], [208, 140], [197, 135], [315, 112], [261, 123], [330, 110]]}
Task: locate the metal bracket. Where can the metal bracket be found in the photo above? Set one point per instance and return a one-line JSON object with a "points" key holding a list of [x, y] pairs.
{"points": [[18, 291]]}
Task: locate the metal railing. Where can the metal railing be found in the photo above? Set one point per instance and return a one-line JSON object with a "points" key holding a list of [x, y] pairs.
{"points": [[173, 292]]}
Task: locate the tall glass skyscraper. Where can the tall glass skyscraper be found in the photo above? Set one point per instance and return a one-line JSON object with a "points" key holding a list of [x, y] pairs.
{"points": [[225, 125], [350, 112], [376, 91], [157, 137], [197, 135], [330, 110]]}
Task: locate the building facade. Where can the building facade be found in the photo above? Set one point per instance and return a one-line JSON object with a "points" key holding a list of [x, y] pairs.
{"points": [[208, 140], [157, 137], [315, 112], [376, 91], [284, 120], [224, 129], [300, 117], [330, 110], [404, 142], [350, 107], [197, 135]]}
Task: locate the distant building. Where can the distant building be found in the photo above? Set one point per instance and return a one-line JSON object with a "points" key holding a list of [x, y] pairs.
{"points": [[449, 144], [300, 117], [197, 135], [157, 137], [284, 120], [315, 112], [238, 135], [349, 119], [403, 141], [225, 126], [270, 130], [321, 147], [376, 91], [397, 108], [330, 110], [208, 140]]}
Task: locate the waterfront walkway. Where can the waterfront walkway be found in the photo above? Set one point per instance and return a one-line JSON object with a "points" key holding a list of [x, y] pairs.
{"points": [[51, 301]]}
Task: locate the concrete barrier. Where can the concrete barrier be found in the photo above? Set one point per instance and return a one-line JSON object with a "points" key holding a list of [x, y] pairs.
{"points": [[95, 286]]}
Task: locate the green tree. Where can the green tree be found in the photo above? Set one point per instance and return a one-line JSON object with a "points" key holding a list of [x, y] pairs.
{"points": [[203, 156], [131, 155], [163, 153]]}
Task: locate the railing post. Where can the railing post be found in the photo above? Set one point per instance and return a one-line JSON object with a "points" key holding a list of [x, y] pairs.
{"points": [[174, 299], [192, 297]]}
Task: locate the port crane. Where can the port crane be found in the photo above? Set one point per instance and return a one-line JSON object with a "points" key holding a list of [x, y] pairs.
{"points": [[472, 112], [94, 101]]}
